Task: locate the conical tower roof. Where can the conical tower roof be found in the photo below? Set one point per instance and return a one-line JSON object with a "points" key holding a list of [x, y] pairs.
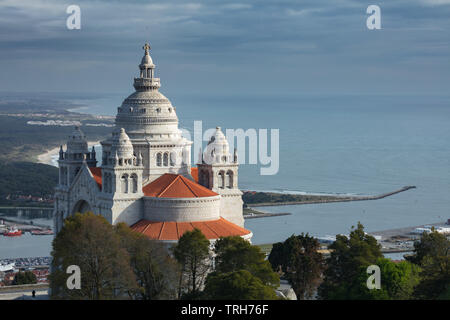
{"points": [[77, 142], [121, 145]]}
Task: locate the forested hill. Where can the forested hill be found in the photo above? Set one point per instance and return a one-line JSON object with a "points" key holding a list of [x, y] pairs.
{"points": [[26, 178]]}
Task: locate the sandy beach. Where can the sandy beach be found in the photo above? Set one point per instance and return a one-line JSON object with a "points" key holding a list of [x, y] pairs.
{"points": [[46, 158]]}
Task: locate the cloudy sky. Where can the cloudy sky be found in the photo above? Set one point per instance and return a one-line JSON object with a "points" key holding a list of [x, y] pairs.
{"points": [[219, 46]]}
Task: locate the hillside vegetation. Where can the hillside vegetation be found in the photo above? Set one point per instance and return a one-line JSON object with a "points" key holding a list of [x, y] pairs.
{"points": [[26, 178]]}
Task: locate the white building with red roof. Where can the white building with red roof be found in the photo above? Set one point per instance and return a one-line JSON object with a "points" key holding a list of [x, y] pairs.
{"points": [[146, 179]]}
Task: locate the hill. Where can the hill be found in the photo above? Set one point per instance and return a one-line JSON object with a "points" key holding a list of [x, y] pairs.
{"points": [[24, 179]]}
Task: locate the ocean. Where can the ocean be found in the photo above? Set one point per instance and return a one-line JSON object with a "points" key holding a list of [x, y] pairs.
{"points": [[333, 144]]}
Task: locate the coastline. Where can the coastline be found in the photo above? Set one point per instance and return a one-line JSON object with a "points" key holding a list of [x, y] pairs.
{"points": [[333, 199], [46, 157]]}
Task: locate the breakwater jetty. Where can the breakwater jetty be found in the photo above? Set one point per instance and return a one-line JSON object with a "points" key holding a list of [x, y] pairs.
{"points": [[263, 215], [332, 199]]}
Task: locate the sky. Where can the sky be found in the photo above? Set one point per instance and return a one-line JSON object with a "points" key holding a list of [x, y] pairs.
{"points": [[227, 47]]}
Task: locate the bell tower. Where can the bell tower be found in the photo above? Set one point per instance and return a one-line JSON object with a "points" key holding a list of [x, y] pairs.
{"points": [[218, 171], [70, 161], [122, 173], [122, 180]]}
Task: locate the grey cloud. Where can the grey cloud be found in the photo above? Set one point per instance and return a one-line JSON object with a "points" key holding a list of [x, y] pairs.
{"points": [[243, 38]]}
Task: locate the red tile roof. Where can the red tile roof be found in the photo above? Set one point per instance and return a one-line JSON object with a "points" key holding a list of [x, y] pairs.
{"points": [[176, 186], [194, 173], [167, 186], [97, 173], [171, 230]]}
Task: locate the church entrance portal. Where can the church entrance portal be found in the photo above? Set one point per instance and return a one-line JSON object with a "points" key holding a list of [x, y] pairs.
{"points": [[81, 206]]}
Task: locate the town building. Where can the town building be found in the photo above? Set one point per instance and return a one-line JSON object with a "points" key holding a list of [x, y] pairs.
{"points": [[146, 179]]}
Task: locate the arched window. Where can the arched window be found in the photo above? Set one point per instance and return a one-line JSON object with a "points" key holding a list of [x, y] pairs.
{"points": [[173, 156], [124, 183], [159, 159], [166, 159], [221, 179], [229, 179], [134, 183]]}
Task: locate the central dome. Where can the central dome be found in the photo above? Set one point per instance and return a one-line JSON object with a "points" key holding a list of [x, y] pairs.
{"points": [[147, 113], [150, 123]]}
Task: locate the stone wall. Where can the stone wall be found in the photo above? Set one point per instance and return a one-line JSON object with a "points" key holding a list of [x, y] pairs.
{"points": [[182, 209]]}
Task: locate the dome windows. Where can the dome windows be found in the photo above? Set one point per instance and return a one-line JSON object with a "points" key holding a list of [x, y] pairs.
{"points": [[166, 159], [159, 159]]}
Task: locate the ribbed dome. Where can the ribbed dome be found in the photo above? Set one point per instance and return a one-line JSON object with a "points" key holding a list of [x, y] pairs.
{"points": [[147, 103], [218, 149], [77, 142], [121, 145], [147, 111]]}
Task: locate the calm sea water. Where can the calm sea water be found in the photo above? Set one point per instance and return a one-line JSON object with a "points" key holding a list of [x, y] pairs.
{"points": [[357, 144], [344, 144]]}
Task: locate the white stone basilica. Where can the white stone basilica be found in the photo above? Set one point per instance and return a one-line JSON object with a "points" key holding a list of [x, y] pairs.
{"points": [[146, 179]]}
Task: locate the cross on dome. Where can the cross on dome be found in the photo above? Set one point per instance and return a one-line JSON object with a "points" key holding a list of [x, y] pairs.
{"points": [[146, 47]]}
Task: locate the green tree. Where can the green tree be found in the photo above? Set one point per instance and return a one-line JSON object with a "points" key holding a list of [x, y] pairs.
{"points": [[432, 254], [302, 264], [348, 256], [156, 272], [237, 285], [192, 253], [90, 242], [236, 253], [430, 244], [398, 280], [26, 277]]}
